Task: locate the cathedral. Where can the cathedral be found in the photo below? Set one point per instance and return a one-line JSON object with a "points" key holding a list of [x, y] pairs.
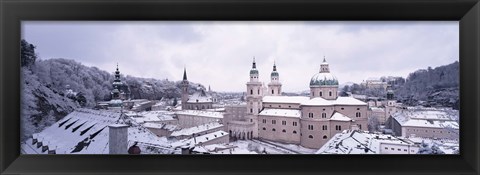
{"points": [[306, 121]]}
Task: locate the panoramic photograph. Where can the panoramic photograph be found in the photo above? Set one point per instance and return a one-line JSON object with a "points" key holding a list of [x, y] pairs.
{"points": [[240, 87]]}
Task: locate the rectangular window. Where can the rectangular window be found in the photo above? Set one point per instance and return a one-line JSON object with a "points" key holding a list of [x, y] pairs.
{"points": [[264, 120], [310, 127], [274, 122], [294, 123], [284, 122]]}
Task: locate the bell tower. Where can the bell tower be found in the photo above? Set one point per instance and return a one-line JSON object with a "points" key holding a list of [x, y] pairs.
{"points": [[274, 87], [254, 98]]}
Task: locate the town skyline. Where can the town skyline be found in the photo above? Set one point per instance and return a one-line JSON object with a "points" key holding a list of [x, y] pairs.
{"points": [[162, 50]]}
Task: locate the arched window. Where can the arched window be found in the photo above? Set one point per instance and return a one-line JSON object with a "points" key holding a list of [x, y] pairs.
{"points": [[310, 136], [330, 93], [273, 129], [324, 115], [258, 92], [251, 110], [272, 91], [294, 132], [324, 137], [320, 93], [251, 91], [284, 131], [264, 128]]}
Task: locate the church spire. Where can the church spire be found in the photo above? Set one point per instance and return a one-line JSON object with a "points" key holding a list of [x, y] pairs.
{"points": [[117, 73], [184, 73], [324, 59], [254, 65], [274, 66]]}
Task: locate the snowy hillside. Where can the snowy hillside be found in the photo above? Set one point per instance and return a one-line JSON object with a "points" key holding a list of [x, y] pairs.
{"points": [[52, 88]]}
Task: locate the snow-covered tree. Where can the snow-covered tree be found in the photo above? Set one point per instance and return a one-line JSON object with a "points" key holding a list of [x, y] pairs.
{"points": [[432, 148]]}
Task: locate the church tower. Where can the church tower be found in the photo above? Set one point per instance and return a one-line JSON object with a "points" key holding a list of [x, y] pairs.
{"points": [[254, 98], [117, 83], [324, 84], [254, 92], [390, 106], [274, 87], [184, 86]]}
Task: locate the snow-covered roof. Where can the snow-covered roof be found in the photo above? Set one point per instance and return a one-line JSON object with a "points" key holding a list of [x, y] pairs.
{"points": [[200, 97], [216, 109], [85, 131], [319, 101], [199, 139], [348, 101], [80, 125], [168, 127], [196, 129], [431, 124], [337, 116], [377, 109], [201, 113], [427, 118], [151, 116], [281, 112], [359, 142], [284, 99]]}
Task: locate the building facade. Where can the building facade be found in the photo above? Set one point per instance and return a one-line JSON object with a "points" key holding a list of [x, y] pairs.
{"points": [[307, 121]]}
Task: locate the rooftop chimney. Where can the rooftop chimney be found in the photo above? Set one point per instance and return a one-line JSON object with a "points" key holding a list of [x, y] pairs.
{"points": [[118, 138]]}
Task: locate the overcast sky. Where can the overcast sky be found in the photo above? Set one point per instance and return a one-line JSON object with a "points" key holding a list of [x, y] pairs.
{"points": [[220, 54]]}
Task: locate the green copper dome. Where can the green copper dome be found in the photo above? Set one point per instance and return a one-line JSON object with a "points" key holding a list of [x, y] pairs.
{"points": [[254, 71], [274, 73], [323, 78]]}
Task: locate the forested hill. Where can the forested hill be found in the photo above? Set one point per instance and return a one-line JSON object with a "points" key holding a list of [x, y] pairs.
{"points": [[432, 87], [52, 88]]}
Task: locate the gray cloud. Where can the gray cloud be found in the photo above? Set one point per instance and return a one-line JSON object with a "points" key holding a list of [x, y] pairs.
{"points": [[220, 53]]}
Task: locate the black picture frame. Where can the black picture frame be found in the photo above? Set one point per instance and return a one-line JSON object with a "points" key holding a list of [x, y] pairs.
{"points": [[467, 12]]}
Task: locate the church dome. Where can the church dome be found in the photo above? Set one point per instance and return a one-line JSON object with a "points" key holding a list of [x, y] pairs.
{"points": [[254, 71], [274, 73], [323, 78]]}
